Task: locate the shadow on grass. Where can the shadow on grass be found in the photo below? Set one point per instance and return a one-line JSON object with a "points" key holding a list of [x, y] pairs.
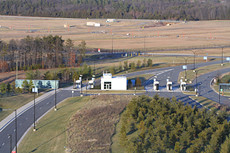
{"points": [[50, 122], [45, 142]]}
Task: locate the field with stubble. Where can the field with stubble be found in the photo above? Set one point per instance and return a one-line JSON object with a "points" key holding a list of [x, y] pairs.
{"points": [[124, 34]]}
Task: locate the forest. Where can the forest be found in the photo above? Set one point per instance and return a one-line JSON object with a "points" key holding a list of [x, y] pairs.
{"points": [[40, 52], [132, 9], [155, 124]]}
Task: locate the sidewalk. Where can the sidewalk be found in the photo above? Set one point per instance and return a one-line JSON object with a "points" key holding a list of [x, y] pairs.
{"points": [[24, 108]]}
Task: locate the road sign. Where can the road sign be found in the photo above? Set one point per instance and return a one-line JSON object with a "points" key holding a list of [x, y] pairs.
{"points": [[34, 89], [99, 50], [228, 58], [184, 67]]}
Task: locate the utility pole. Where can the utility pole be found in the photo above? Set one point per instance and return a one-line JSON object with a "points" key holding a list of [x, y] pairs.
{"points": [[16, 131], [194, 59], [55, 96], [112, 42], [34, 112], [185, 68], [219, 94], [144, 43], [222, 58], [10, 137], [196, 82]]}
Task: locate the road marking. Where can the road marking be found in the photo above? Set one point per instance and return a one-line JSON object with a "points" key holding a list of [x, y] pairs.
{"points": [[3, 144]]}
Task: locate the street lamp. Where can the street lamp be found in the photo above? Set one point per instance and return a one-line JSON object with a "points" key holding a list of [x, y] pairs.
{"points": [[10, 137], [185, 68], [16, 131], [55, 97], [112, 42], [195, 71], [34, 91], [219, 94], [194, 59], [222, 59], [144, 43]]}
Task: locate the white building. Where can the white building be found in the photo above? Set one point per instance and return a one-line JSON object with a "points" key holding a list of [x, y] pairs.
{"points": [[111, 20], [113, 83], [93, 24]]}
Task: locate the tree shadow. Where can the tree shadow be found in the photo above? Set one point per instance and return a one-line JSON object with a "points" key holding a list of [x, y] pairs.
{"points": [[49, 122]]}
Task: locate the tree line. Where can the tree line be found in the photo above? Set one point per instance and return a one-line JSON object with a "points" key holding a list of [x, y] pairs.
{"points": [[40, 52], [64, 75], [163, 125], [135, 9]]}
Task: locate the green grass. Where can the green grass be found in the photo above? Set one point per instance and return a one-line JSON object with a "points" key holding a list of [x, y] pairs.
{"points": [[116, 147], [207, 103], [50, 136], [9, 104], [201, 70]]}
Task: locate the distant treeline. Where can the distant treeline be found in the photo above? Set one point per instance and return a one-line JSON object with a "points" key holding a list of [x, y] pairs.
{"points": [[134, 9]]}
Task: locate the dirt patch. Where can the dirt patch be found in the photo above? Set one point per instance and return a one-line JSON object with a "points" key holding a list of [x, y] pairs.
{"points": [[91, 128]]}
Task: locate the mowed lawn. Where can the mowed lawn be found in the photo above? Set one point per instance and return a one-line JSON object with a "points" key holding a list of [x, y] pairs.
{"points": [[51, 129], [9, 104], [81, 124]]}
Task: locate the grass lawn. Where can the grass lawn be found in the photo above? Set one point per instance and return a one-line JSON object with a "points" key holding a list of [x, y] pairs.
{"points": [[116, 147], [77, 126], [51, 129], [208, 104], [9, 104], [202, 70]]}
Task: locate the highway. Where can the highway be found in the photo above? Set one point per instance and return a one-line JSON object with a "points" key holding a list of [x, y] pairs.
{"points": [[25, 120]]}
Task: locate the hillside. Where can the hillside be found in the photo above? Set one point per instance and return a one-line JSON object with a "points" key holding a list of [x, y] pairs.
{"points": [[133, 9]]}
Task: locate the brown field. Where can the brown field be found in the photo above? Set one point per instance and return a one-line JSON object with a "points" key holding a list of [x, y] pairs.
{"points": [[91, 128], [177, 35]]}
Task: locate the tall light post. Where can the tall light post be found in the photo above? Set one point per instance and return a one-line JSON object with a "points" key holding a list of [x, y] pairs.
{"points": [[185, 68], [34, 111], [16, 139], [144, 43], [219, 94], [112, 43], [195, 71], [222, 58], [55, 97], [10, 137], [194, 59]]}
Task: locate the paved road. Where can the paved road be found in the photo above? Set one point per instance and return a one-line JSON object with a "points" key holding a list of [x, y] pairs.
{"points": [[205, 89], [25, 120]]}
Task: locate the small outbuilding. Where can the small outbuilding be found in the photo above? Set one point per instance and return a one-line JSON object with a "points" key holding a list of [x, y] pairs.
{"points": [[108, 82], [111, 20]]}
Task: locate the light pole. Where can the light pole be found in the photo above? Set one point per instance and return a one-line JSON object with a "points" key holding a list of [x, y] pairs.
{"points": [[185, 68], [194, 59], [144, 43], [195, 71], [219, 94], [55, 97], [34, 112], [222, 58], [10, 137], [112, 42], [16, 131]]}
